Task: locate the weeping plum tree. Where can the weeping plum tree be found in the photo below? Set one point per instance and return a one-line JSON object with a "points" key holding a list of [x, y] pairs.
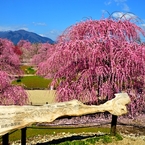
{"points": [[17, 50], [9, 60], [9, 65], [9, 94], [44, 51], [25, 47], [33, 53], [94, 59]]}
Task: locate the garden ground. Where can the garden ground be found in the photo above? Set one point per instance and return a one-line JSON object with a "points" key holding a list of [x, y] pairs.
{"points": [[132, 130], [41, 97]]}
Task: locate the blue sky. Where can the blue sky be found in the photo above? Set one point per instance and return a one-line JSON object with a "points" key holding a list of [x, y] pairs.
{"points": [[51, 17]]}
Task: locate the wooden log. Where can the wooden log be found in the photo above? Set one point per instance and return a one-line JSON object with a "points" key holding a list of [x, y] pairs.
{"points": [[16, 117]]}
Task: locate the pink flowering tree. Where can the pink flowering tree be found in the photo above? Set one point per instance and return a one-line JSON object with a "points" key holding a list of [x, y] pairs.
{"points": [[17, 50], [95, 59], [31, 52], [9, 94], [9, 59], [44, 50], [25, 47], [9, 66]]}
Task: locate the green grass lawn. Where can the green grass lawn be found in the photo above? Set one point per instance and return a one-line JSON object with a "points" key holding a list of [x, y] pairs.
{"points": [[27, 69], [35, 131], [33, 82]]}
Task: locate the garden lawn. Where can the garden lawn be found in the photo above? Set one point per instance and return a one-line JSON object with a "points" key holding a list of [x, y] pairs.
{"points": [[35, 131], [33, 82], [27, 69]]}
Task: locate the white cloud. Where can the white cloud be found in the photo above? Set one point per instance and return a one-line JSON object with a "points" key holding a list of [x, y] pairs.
{"points": [[108, 2], [53, 34], [120, 3], [143, 26], [125, 7], [2, 28], [42, 35], [126, 16], [23, 28], [12, 28], [39, 23]]}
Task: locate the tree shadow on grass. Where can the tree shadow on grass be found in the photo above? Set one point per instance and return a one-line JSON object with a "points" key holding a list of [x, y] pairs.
{"points": [[61, 140]]}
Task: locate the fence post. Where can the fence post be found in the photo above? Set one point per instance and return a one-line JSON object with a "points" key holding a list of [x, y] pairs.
{"points": [[5, 139], [23, 136], [113, 125]]}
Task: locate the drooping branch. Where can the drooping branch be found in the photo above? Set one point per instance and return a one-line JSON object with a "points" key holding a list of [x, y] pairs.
{"points": [[98, 58]]}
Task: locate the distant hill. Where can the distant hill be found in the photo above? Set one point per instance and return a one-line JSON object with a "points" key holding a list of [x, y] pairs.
{"points": [[16, 36]]}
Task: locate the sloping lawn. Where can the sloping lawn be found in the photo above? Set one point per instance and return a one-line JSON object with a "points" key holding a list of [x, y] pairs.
{"points": [[28, 69], [33, 82]]}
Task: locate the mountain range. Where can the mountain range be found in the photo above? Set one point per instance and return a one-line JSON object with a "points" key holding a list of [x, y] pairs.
{"points": [[16, 36]]}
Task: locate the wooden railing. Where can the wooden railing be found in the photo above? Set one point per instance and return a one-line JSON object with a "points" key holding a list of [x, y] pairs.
{"points": [[19, 117]]}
